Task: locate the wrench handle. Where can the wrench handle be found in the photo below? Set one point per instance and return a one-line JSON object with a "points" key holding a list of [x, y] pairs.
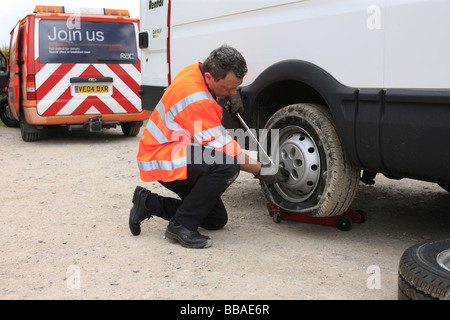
{"points": [[254, 138]]}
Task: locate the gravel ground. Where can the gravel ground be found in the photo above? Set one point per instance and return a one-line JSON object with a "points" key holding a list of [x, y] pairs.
{"points": [[64, 210]]}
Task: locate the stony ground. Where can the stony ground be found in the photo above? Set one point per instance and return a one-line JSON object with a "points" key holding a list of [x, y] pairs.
{"points": [[64, 211]]}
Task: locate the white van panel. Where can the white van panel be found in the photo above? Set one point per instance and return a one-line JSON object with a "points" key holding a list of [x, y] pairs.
{"points": [[417, 46], [154, 64], [361, 43], [335, 37]]}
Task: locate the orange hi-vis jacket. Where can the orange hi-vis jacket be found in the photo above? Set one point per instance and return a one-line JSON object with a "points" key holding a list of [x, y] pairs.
{"points": [[187, 114]]}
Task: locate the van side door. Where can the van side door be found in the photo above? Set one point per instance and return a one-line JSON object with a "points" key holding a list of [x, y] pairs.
{"points": [[14, 73], [3, 71]]}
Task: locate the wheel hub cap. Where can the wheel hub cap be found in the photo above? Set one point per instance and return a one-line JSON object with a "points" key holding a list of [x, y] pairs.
{"points": [[300, 157], [443, 259]]}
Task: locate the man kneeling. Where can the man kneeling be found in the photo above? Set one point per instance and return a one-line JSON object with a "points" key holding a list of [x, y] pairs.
{"points": [[185, 126]]}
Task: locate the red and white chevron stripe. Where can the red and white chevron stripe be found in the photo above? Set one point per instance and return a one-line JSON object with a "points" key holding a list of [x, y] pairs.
{"points": [[55, 97]]}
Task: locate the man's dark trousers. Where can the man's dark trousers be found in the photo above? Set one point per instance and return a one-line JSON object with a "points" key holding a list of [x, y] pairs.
{"points": [[209, 174]]}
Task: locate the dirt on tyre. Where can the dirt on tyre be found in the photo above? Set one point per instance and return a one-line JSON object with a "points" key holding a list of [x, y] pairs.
{"points": [[424, 272], [322, 182]]}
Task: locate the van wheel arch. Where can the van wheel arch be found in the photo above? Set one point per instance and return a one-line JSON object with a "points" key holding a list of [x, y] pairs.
{"points": [[280, 94], [296, 81]]}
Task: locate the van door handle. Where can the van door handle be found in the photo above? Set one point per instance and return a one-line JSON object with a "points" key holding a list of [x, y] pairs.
{"points": [[90, 79]]}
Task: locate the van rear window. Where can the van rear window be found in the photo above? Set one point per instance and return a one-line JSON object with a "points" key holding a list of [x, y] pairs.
{"points": [[63, 41]]}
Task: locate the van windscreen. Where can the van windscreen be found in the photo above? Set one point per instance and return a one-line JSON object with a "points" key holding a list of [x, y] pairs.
{"points": [[62, 41]]}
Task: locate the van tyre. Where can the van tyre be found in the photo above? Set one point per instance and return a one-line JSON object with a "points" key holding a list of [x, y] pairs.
{"points": [[131, 129], [5, 114], [424, 273], [29, 132], [322, 182]]}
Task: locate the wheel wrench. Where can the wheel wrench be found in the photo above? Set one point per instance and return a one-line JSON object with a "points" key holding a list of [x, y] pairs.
{"points": [[254, 138]]}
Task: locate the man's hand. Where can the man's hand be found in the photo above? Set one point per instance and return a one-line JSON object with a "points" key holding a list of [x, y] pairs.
{"points": [[272, 175], [235, 105]]}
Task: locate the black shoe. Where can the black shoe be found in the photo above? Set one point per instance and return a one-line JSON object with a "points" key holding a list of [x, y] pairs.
{"points": [[186, 237], [138, 212]]}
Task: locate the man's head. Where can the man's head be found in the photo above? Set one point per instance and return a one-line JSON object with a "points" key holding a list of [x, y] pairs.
{"points": [[224, 71]]}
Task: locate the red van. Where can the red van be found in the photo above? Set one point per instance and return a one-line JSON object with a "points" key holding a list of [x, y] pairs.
{"points": [[73, 67]]}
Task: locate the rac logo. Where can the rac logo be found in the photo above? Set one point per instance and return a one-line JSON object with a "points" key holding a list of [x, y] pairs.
{"points": [[155, 4], [127, 56]]}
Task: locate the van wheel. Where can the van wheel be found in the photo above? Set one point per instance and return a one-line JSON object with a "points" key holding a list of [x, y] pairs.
{"points": [[424, 272], [322, 181], [6, 115], [131, 129], [29, 132]]}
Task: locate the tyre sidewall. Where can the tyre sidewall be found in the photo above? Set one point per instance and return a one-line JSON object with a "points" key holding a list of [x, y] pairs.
{"points": [[420, 275], [425, 256]]}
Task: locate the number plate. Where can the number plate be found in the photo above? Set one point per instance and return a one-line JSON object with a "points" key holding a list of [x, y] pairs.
{"points": [[92, 89]]}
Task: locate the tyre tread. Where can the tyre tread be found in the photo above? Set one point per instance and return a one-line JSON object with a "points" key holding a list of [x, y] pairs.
{"points": [[418, 278]]}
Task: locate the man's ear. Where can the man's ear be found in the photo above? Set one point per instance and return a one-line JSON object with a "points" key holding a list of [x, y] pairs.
{"points": [[208, 78]]}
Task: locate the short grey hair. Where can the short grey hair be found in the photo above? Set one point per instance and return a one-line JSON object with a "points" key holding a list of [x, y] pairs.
{"points": [[223, 60]]}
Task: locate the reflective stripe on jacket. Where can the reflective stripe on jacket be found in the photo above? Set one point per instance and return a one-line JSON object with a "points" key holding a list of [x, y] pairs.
{"points": [[186, 114]]}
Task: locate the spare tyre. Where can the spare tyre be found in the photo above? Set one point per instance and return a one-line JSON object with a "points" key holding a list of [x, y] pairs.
{"points": [[322, 181], [424, 272]]}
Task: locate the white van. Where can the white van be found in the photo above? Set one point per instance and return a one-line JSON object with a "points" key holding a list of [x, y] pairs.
{"points": [[352, 85]]}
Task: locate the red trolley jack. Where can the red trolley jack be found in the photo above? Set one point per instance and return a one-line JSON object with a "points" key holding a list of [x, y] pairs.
{"points": [[342, 222]]}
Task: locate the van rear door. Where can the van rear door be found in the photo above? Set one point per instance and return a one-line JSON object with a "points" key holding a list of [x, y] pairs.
{"points": [[91, 67]]}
